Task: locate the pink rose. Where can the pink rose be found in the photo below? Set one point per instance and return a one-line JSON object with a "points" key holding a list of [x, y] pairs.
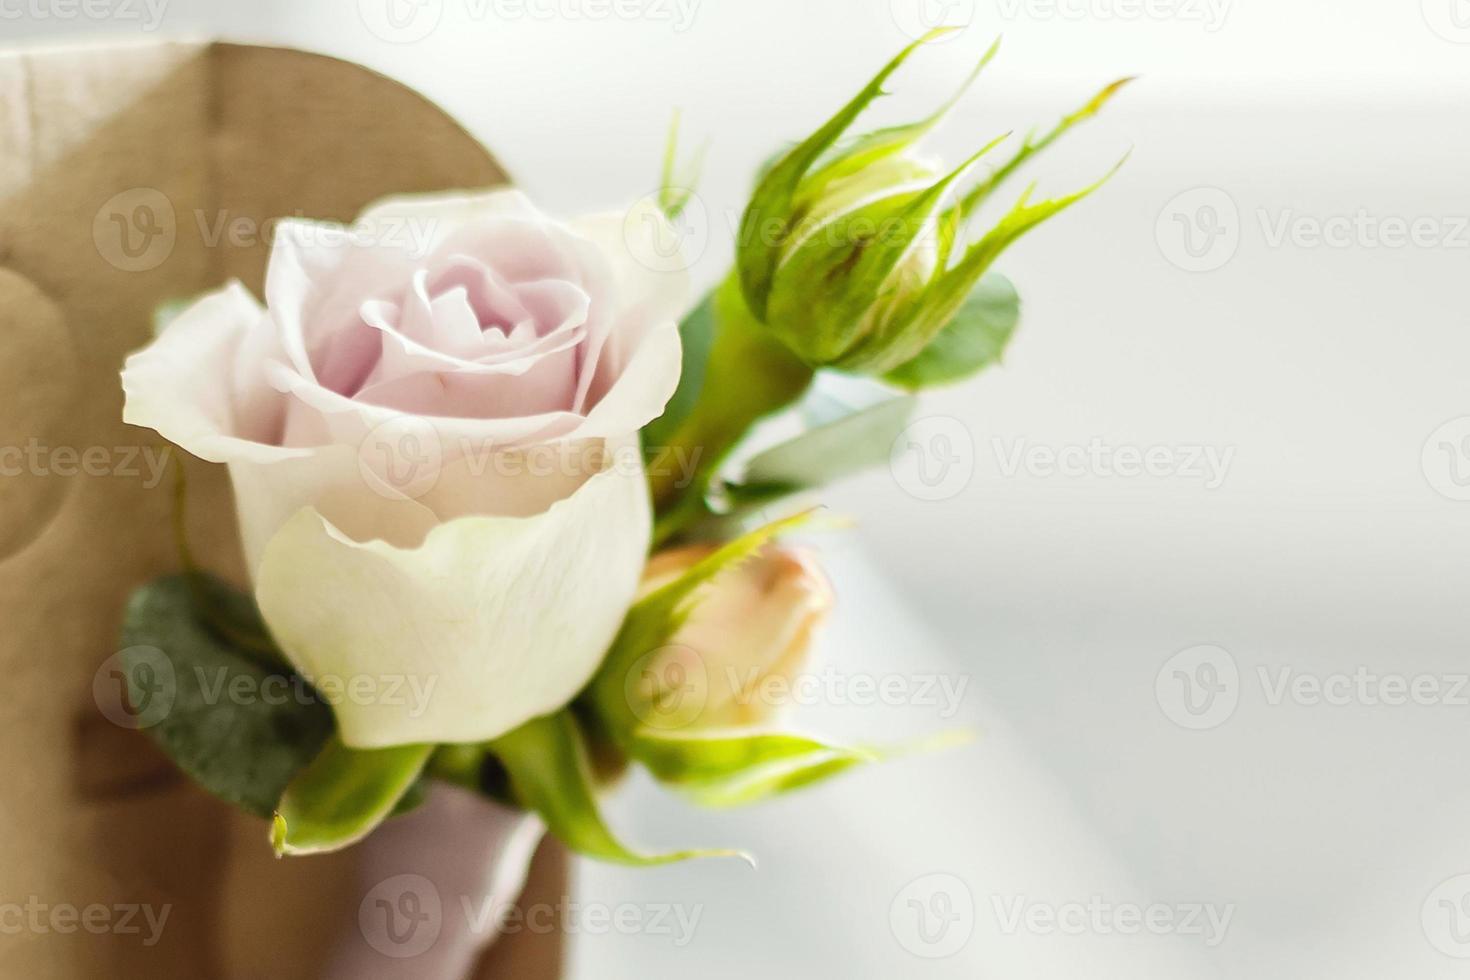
{"points": [[432, 431]]}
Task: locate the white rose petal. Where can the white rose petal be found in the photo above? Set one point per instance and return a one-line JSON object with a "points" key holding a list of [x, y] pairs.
{"points": [[489, 623]]}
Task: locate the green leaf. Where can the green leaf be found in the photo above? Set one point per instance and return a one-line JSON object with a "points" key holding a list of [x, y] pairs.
{"points": [[235, 723], [344, 795], [549, 773], [734, 768], [972, 340], [825, 453], [235, 619], [768, 219]]}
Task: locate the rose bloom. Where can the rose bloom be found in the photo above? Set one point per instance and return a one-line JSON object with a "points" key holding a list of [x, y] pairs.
{"points": [[752, 625], [434, 449]]}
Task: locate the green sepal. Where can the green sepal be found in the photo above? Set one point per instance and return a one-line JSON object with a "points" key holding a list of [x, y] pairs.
{"points": [[904, 338], [856, 156], [733, 768], [344, 795], [547, 762], [771, 215], [1032, 146], [974, 338]]}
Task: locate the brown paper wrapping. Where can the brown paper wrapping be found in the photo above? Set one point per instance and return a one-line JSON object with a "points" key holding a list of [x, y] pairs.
{"points": [[117, 167]]}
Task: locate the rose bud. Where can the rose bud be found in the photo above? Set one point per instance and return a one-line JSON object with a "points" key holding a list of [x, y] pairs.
{"points": [[431, 426], [750, 629], [848, 250]]}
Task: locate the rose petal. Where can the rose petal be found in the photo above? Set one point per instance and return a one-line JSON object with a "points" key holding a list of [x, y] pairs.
{"points": [[651, 288], [428, 220], [561, 307], [498, 619], [545, 386], [350, 422], [199, 383], [403, 355], [342, 483], [639, 394]]}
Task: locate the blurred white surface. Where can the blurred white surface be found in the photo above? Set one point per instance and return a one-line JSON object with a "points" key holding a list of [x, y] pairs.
{"points": [[1313, 351]]}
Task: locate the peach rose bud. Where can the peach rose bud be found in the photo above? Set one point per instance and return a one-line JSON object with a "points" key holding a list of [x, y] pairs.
{"points": [[734, 661]]}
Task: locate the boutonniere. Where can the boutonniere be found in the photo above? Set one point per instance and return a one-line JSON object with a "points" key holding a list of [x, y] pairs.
{"points": [[503, 503]]}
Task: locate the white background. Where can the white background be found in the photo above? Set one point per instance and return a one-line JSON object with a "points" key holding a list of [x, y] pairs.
{"points": [[1331, 542]]}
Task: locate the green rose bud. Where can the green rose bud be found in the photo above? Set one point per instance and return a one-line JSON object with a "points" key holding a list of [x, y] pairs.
{"points": [[848, 257], [847, 251]]}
